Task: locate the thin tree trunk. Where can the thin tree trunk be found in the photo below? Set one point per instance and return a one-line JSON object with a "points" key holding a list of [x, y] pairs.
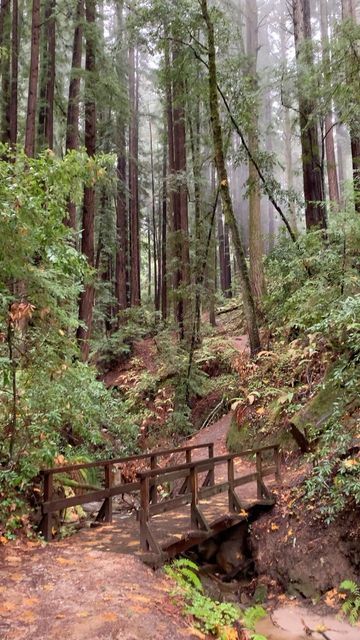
{"points": [[87, 242], [255, 231], [5, 27], [180, 222], [315, 212], [248, 300], [14, 74], [50, 81], [194, 135], [72, 121], [349, 13], [47, 81], [30, 129], [122, 241], [133, 181], [164, 296], [153, 221], [333, 184]]}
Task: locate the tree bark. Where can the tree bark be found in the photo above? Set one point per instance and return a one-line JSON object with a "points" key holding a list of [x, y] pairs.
{"points": [[315, 212], [248, 300], [30, 128], [180, 219], [88, 219], [333, 183], [349, 13], [14, 74], [164, 296], [5, 44], [122, 241], [47, 83], [72, 121], [256, 249], [153, 222], [134, 181]]}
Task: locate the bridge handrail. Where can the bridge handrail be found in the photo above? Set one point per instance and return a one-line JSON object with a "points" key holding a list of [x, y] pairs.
{"points": [[113, 461], [191, 493], [50, 505], [204, 465]]}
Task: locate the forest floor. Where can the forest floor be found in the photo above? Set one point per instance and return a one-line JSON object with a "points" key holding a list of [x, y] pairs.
{"points": [[86, 587]]}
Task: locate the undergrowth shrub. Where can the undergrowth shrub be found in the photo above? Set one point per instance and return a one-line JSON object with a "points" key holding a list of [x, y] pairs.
{"points": [[211, 616], [314, 290]]}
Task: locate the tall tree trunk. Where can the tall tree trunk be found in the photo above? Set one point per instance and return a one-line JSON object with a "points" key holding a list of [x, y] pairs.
{"points": [[248, 300], [256, 249], [133, 180], [349, 13], [122, 241], [72, 121], [5, 39], [194, 135], [153, 222], [14, 74], [30, 129], [333, 184], [164, 296], [47, 84], [220, 238], [180, 221], [87, 241], [315, 212]]}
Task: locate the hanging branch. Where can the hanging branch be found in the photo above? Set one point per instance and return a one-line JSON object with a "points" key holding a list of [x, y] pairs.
{"points": [[245, 145]]}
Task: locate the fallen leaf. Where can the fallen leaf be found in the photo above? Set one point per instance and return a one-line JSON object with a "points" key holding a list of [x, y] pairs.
{"points": [[29, 602], [28, 616], [109, 616], [274, 527]]}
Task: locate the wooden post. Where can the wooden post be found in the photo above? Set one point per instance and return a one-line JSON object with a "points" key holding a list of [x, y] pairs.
{"points": [[212, 471], [277, 463], [153, 487], [48, 494], [259, 475], [231, 477], [144, 512], [108, 501], [193, 480]]}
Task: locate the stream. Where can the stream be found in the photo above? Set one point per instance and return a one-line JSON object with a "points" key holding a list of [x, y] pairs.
{"points": [[288, 623]]}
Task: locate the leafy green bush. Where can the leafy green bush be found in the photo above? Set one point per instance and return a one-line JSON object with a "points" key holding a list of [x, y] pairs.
{"points": [[50, 402], [211, 616]]}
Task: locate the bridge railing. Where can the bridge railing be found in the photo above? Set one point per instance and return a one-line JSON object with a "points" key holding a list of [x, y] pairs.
{"points": [[51, 503], [196, 491]]}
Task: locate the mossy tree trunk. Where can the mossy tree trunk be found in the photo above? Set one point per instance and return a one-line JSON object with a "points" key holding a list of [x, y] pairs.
{"points": [[248, 300]]}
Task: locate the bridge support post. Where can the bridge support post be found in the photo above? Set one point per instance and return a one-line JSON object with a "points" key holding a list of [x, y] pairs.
{"points": [[46, 525], [153, 488], [259, 475], [212, 470], [197, 518], [108, 501], [277, 463], [144, 513]]}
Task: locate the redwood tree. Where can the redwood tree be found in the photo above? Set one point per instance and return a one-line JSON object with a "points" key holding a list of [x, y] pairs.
{"points": [[87, 296], [72, 122], [30, 128], [315, 213]]}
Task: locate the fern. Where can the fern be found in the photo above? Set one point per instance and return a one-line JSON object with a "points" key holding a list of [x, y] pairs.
{"points": [[351, 606]]}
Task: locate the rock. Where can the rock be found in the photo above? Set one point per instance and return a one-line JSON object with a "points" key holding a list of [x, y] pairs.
{"points": [[231, 556]]}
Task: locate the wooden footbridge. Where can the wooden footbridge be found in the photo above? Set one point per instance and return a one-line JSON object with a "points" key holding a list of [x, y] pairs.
{"points": [[185, 495]]}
